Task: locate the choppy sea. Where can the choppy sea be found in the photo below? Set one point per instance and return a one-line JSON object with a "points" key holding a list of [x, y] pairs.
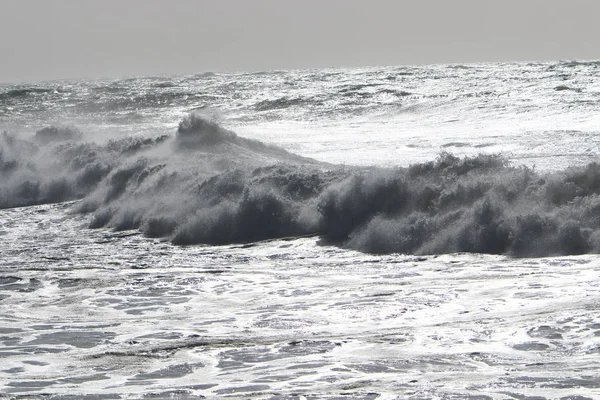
{"points": [[414, 232]]}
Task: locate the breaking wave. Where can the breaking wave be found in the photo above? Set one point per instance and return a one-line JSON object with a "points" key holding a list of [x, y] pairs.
{"points": [[205, 184]]}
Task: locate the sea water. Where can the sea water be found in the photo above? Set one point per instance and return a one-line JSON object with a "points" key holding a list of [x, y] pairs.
{"points": [[418, 232]]}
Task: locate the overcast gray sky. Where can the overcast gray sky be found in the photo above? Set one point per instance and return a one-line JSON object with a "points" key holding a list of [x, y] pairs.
{"points": [[53, 39]]}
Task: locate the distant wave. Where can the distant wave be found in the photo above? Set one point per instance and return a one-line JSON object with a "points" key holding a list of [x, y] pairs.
{"points": [[205, 184], [577, 63], [15, 93], [561, 88], [283, 102], [111, 99]]}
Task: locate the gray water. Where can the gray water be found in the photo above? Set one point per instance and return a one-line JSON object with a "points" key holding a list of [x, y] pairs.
{"points": [[278, 295]]}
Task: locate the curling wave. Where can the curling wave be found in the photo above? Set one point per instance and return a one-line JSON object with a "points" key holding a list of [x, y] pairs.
{"points": [[208, 185]]}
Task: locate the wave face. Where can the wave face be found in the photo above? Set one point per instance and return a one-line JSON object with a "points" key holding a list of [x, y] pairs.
{"points": [[479, 204], [207, 185]]}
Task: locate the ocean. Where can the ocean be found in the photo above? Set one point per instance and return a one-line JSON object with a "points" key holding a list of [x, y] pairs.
{"points": [[412, 232]]}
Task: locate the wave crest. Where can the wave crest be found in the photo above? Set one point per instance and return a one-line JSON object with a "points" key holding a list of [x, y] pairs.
{"points": [[196, 130]]}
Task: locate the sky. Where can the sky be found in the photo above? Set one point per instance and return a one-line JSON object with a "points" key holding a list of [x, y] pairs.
{"points": [[72, 39]]}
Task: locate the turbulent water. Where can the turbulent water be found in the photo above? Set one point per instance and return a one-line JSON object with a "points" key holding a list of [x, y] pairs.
{"points": [[402, 232]]}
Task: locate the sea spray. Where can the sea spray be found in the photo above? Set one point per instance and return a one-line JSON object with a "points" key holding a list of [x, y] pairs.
{"points": [[212, 186]]}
